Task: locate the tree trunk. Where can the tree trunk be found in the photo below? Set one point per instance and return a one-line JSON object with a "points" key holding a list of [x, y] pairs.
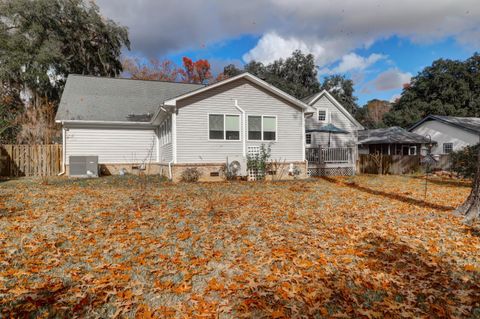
{"points": [[471, 207]]}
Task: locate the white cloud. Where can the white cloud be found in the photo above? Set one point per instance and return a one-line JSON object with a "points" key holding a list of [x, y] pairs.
{"points": [[329, 30], [272, 47], [390, 79], [354, 62]]}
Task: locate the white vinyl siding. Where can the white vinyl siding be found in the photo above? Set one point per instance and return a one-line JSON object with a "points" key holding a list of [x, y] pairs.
{"points": [[112, 145], [165, 137], [193, 145], [444, 133], [336, 117]]}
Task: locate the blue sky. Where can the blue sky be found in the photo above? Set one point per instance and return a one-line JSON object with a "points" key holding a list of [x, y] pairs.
{"points": [[400, 53], [378, 44]]}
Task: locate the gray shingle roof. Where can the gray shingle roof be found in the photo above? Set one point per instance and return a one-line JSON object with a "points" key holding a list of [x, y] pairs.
{"points": [[90, 98], [390, 135], [468, 123], [309, 98]]}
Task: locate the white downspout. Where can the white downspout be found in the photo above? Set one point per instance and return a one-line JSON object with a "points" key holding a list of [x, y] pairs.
{"points": [[64, 154], [174, 143], [157, 133], [303, 136], [174, 135], [244, 138]]}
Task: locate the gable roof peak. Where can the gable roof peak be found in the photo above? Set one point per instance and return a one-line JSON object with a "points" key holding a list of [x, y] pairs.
{"points": [[244, 75], [471, 124], [314, 98]]}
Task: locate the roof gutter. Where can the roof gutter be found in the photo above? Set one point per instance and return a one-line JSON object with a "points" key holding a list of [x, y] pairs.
{"points": [[128, 123]]}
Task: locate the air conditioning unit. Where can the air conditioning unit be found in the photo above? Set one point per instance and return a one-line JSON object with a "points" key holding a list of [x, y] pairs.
{"points": [[83, 166], [237, 165]]}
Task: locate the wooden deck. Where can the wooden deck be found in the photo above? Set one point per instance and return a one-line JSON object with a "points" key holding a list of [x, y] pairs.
{"points": [[331, 161]]}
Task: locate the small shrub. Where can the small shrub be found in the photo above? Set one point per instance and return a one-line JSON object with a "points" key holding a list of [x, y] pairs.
{"points": [[227, 174], [464, 161], [191, 175]]}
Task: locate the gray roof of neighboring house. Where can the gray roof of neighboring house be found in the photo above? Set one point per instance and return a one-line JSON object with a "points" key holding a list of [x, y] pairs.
{"points": [[471, 124], [391, 135], [309, 98], [90, 98]]}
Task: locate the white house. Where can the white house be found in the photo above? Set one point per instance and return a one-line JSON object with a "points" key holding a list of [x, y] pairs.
{"points": [[167, 127], [450, 133], [331, 136]]}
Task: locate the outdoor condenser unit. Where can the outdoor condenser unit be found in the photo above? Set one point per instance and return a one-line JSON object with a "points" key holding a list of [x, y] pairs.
{"points": [[83, 166]]}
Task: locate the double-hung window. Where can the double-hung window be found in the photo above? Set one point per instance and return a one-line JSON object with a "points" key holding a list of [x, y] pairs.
{"points": [[262, 128], [447, 148], [308, 139], [254, 127], [322, 115], [224, 127], [269, 128], [232, 127]]}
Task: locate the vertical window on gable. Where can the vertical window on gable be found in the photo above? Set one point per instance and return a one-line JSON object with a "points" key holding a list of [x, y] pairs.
{"points": [[269, 128], [308, 139], [232, 127], [322, 115], [216, 126], [254, 127]]}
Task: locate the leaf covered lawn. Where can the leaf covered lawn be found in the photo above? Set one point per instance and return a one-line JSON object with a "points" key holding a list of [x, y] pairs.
{"points": [[345, 247]]}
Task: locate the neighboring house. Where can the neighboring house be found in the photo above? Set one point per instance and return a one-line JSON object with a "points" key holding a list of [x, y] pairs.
{"points": [[331, 136], [450, 133], [167, 127], [324, 109], [391, 141]]}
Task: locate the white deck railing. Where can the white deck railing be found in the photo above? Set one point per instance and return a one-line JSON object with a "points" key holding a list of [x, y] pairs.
{"points": [[329, 155]]}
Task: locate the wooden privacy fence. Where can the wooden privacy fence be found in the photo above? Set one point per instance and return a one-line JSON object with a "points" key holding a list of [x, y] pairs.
{"points": [[30, 160], [388, 164]]}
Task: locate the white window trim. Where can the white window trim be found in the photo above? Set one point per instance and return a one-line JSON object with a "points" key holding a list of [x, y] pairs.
{"points": [[443, 148], [261, 128], [327, 115], [224, 130], [414, 148], [306, 143]]}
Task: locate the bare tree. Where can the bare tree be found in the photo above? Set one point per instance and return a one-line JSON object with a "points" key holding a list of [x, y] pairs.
{"points": [[470, 209]]}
